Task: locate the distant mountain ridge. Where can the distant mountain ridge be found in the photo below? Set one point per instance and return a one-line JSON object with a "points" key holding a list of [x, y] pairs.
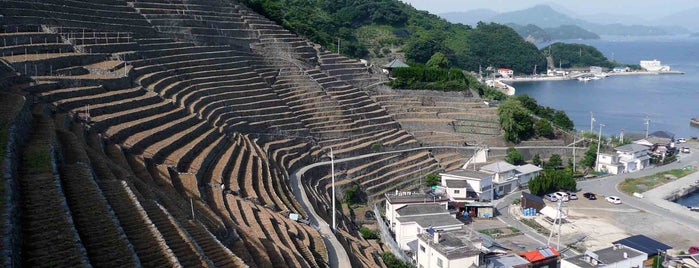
{"points": [[535, 34], [544, 16]]}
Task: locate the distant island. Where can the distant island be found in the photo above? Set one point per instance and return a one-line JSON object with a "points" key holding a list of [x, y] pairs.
{"points": [[544, 16], [535, 34]]}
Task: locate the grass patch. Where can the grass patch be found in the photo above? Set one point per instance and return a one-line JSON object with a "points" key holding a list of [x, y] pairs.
{"points": [[495, 232], [642, 184], [536, 226]]}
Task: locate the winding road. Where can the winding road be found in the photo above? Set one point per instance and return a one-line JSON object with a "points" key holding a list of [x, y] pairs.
{"points": [[337, 255]]}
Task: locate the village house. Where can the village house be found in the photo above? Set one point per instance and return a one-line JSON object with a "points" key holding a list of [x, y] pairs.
{"points": [[467, 185], [415, 219], [616, 256], [503, 176], [627, 158], [506, 73], [542, 257], [525, 173], [397, 200], [461, 248]]}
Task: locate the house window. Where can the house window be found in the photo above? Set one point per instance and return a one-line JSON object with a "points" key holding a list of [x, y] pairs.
{"points": [[422, 248], [457, 191], [439, 262]]}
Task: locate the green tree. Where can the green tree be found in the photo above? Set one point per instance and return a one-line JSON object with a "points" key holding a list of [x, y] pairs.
{"points": [[537, 160], [515, 121], [543, 128], [590, 158], [438, 60], [554, 162], [352, 195], [392, 261], [561, 119], [432, 180], [514, 157]]}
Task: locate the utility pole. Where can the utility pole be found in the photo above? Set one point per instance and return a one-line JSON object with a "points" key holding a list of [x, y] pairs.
{"points": [[575, 141], [599, 142], [338, 46], [332, 174], [592, 122], [647, 125]]}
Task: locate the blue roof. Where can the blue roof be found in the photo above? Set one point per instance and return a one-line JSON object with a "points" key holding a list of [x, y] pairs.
{"points": [[644, 244], [619, 67]]}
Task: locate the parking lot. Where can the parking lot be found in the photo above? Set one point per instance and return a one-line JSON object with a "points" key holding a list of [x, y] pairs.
{"points": [[601, 223]]}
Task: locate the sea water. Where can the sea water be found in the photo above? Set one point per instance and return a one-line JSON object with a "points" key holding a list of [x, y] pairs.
{"points": [[624, 102]]}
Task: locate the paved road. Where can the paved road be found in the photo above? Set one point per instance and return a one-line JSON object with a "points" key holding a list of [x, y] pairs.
{"points": [[608, 186], [337, 256], [336, 253]]}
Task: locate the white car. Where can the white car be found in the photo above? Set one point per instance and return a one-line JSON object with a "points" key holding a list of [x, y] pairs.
{"points": [[681, 140], [561, 196], [613, 199]]}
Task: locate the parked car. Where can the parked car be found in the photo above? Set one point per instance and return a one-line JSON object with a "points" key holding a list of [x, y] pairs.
{"points": [[681, 140], [685, 150], [614, 199], [572, 196], [590, 196], [551, 197], [561, 196]]}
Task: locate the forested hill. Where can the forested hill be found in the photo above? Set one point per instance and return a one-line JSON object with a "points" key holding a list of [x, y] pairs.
{"points": [[377, 28], [578, 55]]}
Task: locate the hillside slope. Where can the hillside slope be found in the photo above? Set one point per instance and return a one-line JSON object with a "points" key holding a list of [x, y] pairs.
{"points": [[155, 109]]}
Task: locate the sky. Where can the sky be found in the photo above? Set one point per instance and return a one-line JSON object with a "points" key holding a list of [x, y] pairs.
{"points": [[644, 9]]}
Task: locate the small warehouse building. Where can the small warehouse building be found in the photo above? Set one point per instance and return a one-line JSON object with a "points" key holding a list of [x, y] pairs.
{"points": [[532, 201]]}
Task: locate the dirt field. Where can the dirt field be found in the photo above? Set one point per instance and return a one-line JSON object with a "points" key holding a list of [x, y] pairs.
{"points": [[598, 223]]}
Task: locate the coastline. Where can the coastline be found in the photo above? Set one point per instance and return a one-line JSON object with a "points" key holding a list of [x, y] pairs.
{"points": [[573, 77], [664, 195]]}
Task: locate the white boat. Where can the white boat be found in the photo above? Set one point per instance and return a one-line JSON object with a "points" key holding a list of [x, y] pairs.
{"points": [[654, 66], [584, 79], [595, 78]]}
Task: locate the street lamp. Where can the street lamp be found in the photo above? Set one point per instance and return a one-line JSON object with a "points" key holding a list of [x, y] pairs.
{"points": [[599, 142], [332, 175]]}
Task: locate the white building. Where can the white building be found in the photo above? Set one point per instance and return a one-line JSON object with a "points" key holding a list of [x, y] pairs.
{"points": [[628, 158], [616, 256], [503, 176], [506, 73], [454, 249], [414, 219], [467, 185], [654, 66], [527, 172], [398, 200]]}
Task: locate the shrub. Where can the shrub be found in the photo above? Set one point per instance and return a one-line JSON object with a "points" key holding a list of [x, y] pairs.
{"points": [[368, 233], [392, 262]]}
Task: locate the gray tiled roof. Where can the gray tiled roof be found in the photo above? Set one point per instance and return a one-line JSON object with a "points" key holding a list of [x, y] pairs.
{"points": [[479, 175], [633, 147], [500, 166], [528, 168], [415, 198], [436, 221], [421, 209], [606, 256], [457, 183]]}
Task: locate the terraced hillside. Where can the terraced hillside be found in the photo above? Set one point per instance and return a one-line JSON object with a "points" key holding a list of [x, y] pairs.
{"points": [[162, 133]]}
